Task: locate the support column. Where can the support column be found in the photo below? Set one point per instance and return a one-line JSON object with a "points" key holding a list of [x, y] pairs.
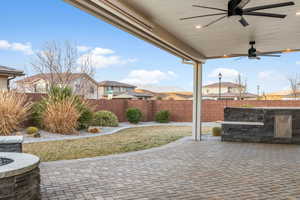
{"points": [[197, 101]]}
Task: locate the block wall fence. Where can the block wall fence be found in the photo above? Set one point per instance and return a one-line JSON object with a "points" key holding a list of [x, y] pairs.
{"points": [[181, 111]]}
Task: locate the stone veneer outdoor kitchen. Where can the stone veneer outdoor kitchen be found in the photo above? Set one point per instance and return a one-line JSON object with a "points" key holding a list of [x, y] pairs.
{"points": [[267, 125]]}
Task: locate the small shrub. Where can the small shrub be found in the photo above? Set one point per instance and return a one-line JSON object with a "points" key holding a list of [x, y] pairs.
{"points": [[94, 130], [105, 118], [217, 131], [134, 115], [247, 106], [86, 118], [13, 111], [162, 116], [32, 130], [61, 117]]}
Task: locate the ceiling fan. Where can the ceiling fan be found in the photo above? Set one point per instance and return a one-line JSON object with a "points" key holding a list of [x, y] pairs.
{"points": [[254, 54], [237, 8]]}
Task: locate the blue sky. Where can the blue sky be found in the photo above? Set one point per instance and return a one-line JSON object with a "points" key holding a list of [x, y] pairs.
{"points": [[27, 25]]}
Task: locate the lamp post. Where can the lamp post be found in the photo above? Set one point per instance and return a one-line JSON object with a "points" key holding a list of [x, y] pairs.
{"points": [[220, 79]]}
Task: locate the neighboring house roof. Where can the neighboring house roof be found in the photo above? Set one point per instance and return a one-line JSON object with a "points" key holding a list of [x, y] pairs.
{"points": [[292, 94], [115, 84], [129, 95], [223, 84], [10, 71], [49, 76], [280, 93], [181, 93], [244, 95]]}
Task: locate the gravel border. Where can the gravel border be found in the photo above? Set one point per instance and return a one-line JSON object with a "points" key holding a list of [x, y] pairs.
{"points": [[105, 131]]}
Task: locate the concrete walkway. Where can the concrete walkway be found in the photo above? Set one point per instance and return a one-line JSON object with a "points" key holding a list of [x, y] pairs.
{"points": [[185, 170], [46, 136]]}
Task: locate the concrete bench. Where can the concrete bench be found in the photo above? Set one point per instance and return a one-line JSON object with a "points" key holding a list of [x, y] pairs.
{"points": [[11, 143], [241, 123]]}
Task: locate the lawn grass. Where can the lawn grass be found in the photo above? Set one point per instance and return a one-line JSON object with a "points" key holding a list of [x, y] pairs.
{"points": [[133, 139]]}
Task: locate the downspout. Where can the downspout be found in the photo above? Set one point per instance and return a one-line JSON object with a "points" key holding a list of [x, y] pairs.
{"points": [[8, 82]]}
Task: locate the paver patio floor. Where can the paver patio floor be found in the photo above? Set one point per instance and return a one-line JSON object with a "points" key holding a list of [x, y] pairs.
{"points": [[182, 170]]}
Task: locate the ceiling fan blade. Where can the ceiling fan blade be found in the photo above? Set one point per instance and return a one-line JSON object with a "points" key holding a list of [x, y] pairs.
{"points": [[244, 22], [203, 16], [238, 55], [243, 3], [269, 55], [291, 3], [215, 21], [265, 14], [211, 8], [270, 52]]}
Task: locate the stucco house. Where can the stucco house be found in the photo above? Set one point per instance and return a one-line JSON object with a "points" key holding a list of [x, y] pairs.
{"points": [[81, 83], [6, 75], [228, 90], [113, 88]]}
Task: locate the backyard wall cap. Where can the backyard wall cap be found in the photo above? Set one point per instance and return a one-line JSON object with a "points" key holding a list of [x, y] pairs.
{"points": [[11, 139], [21, 164], [267, 108]]}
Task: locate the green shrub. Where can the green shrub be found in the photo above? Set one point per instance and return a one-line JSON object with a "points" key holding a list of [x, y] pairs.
{"points": [[105, 118], [134, 115], [86, 118], [32, 130], [217, 131], [162, 116], [247, 106]]}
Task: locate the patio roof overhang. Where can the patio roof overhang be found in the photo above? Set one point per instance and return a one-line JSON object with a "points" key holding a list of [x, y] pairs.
{"points": [[158, 22]]}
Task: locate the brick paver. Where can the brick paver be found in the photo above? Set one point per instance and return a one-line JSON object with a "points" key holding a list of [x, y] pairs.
{"points": [[185, 170]]}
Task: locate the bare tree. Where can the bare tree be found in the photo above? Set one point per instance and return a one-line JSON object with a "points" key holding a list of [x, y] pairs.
{"points": [[57, 63], [242, 86], [294, 85]]}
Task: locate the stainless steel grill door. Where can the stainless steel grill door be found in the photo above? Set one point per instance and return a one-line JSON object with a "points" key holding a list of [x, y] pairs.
{"points": [[283, 126]]}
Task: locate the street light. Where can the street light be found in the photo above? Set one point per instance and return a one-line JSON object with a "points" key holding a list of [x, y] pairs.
{"points": [[220, 78]]}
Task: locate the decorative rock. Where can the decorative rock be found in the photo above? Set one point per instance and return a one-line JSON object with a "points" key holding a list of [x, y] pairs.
{"points": [[94, 130], [36, 135]]}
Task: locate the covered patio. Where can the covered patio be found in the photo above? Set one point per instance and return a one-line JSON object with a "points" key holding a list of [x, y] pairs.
{"points": [[186, 170], [197, 31]]}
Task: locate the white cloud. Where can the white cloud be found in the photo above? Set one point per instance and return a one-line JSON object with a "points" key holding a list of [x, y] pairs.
{"points": [[15, 46], [227, 73], [270, 76], [83, 48], [102, 58], [159, 88], [145, 77], [101, 51], [265, 75], [4, 44]]}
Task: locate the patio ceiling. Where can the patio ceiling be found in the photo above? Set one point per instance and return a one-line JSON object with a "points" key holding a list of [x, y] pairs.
{"points": [[158, 22]]}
